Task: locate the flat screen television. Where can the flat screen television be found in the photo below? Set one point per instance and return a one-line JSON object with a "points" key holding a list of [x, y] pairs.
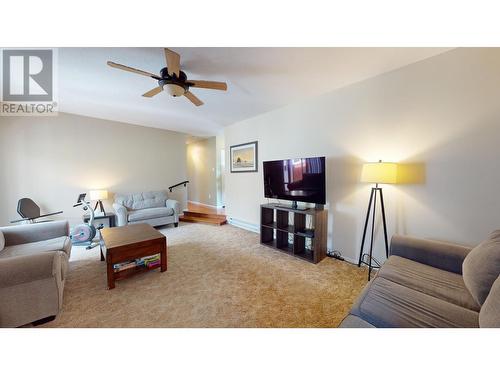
{"points": [[297, 180]]}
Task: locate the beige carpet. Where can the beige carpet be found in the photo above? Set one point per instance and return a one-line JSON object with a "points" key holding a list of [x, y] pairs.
{"points": [[217, 277]]}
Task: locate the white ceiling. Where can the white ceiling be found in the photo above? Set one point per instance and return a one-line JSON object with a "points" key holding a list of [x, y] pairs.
{"points": [[259, 80]]}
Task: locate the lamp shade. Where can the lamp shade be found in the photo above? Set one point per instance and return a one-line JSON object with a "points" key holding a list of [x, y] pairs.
{"points": [[380, 173], [97, 195]]}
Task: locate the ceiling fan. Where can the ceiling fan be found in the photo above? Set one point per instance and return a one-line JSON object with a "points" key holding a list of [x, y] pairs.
{"points": [[173, 80]]}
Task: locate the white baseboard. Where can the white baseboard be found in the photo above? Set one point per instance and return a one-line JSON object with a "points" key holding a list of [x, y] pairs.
{"points": [[244, 225], [204, 204], [350, 260]]}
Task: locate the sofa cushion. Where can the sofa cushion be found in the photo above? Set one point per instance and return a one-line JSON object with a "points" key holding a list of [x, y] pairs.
{"points": [[2, 241], [482, 267], [448, 286], [386, 304], [489, 317], [54, 244], [150, 213], [353, 321], [139, 201]]}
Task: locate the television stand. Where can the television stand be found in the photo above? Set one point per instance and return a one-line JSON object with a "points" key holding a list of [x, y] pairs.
{"points": [[294, 206], [301, 233]]}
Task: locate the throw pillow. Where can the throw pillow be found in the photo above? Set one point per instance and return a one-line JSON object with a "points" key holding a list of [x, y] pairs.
{"points": [[481, 267]]}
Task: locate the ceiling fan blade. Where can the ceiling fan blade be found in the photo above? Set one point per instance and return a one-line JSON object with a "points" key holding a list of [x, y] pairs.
{"points": [[173, 61], [153, 92], [132, 70], [194, 99], [208, 85]]}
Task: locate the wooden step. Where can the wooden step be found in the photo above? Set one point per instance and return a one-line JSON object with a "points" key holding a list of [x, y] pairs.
{"points": [[204, 214], [201, 219]]}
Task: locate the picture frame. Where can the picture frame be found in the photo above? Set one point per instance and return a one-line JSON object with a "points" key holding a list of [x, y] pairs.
{"points": [[244, 157]]}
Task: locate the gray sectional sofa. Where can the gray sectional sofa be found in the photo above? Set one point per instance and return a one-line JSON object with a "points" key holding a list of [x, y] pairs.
{"points": [[151, 207], [33, 267], [432, 284]]}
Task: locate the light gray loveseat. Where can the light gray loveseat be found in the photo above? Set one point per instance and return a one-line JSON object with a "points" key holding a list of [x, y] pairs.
{"points": [[151, 207], [33, 267], [432, 284]]}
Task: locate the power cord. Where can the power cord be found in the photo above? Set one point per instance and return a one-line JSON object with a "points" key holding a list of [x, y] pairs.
{"points": [[334, 254], [365, 259]]}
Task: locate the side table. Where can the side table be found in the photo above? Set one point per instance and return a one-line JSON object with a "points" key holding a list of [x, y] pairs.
{"points": [[110, 218]]}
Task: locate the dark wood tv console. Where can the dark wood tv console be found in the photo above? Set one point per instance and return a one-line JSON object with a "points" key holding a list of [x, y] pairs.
{"points": [[301, 233]]}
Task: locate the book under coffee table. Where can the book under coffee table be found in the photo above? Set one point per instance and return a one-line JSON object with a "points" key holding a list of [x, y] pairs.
{"points": [[128, 243]]}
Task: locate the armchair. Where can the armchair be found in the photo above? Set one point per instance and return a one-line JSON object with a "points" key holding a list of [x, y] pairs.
{"points": [[33, 267]]}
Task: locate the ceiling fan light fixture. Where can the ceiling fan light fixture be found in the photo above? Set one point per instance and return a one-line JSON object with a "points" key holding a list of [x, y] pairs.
{"points": [[173, 80], [174, 89]]}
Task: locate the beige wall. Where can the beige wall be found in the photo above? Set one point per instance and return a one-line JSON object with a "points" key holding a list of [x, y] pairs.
{"points": [[441, 113], [201, 166], [52, 159]]}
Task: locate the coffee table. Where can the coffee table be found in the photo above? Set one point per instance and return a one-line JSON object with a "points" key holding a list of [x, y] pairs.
{"points": [[129, 243]]}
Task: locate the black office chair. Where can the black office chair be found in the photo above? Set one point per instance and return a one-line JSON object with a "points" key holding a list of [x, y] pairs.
{"points": [[30, 211]]}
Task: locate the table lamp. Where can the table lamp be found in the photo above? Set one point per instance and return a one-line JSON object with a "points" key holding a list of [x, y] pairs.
{"points": [[376, 173], [98, 196]]}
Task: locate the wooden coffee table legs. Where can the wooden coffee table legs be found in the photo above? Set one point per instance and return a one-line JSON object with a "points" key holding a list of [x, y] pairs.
{"points": [[111, 275], [163, 256]]}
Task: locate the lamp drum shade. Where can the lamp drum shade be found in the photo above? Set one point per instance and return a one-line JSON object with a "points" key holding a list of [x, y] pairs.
{"points": [[97, 195], [380, 173]]}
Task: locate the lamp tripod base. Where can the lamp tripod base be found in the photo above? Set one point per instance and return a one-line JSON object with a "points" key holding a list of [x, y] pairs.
{"points": [[101, 207], [367, 258]]}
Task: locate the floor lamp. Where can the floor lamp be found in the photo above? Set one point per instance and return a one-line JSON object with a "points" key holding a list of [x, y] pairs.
{"points": [[375, 173], [98, 196]]}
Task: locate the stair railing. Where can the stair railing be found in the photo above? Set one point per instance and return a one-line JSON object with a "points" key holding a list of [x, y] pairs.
{"points": [[179, 184]]}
